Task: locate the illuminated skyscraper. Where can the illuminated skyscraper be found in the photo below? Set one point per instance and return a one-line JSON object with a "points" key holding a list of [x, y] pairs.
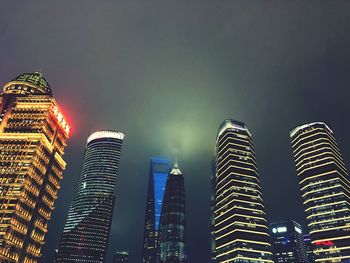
{"points": [[33, 135], [241, 229], [172, 232], [325, 188], [159, 171], [86, 233], [288, 242]]}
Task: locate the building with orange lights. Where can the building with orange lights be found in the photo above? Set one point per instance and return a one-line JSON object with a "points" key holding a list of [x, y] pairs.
{"points": [[33, 135]]}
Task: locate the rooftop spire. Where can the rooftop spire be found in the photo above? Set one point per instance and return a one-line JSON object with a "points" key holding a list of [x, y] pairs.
{"points": [[176, 170]]}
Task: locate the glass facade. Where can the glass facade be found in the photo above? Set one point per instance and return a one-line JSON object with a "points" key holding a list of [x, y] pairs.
{"points": [[33, 135], [86, 233], [288, 242], [325, 188], [241, 229], [159, 170], [172, 233]]}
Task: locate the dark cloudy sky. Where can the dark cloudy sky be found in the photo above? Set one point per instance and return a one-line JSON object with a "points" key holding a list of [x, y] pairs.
{"points": [[167, 73]]}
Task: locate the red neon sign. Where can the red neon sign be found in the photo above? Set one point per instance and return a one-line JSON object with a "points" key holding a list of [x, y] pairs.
{"points": [[60, 119], [324, 243]]}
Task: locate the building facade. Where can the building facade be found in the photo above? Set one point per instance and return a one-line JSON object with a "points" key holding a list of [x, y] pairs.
{"points": [[325, 188], [86, 232], [33, 135], [288, 242], [241, 228], [121, 257], [309, 252], [172, 233], [159, 170]]}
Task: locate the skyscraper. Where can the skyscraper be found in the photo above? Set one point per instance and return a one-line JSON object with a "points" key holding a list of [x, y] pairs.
{"points": [[121, 257], [33, 135], [86, 232], [309, 252], [159, 171], [172, 233], [288, 242], [325, 188], [241, 229]]}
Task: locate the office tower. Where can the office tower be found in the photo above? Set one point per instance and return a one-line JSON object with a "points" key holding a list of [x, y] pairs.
{"points": [[121, 257], [241, 229], [325, 189], [159, 171], [33, 135], [86, 232], [288, 242], [309, 253], [172, 233]]}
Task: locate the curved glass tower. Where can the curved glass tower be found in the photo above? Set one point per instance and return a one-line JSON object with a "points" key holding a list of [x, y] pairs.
{"points": [[172, 232], [159, 171], [240, 230], [86, 233], [325, 187], [33, 136]]}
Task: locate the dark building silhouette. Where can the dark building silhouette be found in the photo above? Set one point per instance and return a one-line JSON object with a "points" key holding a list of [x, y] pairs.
{"points": [[172, 233], [308, 247], [33, 135], [86, 232], [241, 228], [288, 242], [159, 170], [325, 188], [120, 257]]}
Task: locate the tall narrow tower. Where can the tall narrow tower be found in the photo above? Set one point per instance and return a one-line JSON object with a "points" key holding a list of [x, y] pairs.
{"points": [[172, 233], [241, 229], [86, 233], [33, 135], [159, 171], [325, 188]]}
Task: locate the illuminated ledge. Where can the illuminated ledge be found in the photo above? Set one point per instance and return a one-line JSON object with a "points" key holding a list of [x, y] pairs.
{"points": [[302, 127], [105, 134], [232, 124]]}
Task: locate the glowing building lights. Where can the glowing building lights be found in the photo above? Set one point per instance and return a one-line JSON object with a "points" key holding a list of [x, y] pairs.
{"points": [[240, 232], [33, 135], [172, 229], [288, 242], [325, 188], [159, 170], [86, 233]]}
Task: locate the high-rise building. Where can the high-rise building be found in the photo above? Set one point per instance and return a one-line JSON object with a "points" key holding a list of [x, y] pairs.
{"points": [[288, 242], [33, 135], [241, 228], [86, 232], [325, 188], [121, 257], [308, 247], [159, 171], [212, 212], [172, 232]]}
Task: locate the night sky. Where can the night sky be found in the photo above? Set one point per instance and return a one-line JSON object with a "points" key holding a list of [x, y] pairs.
{"points": [[167, 73]]}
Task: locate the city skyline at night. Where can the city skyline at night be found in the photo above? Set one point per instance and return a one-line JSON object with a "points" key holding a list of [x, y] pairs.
{"points": [[167, 73]]}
